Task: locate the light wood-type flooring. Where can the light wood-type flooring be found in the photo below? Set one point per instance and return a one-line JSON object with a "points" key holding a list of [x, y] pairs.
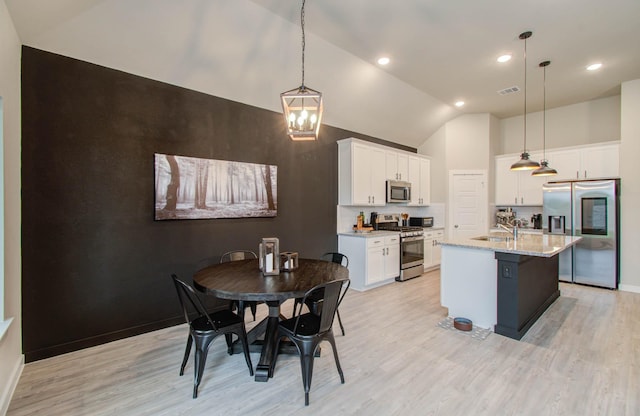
{"points": [[581, 358]]}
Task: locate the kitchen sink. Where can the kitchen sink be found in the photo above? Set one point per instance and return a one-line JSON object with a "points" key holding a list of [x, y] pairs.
{"points": [[493, 238]]}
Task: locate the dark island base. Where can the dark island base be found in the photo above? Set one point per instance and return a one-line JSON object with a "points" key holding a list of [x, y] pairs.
{"points": [[527, 285]]}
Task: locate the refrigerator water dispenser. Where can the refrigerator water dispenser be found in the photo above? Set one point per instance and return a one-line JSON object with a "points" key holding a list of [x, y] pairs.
{"points": [[556, 224]]}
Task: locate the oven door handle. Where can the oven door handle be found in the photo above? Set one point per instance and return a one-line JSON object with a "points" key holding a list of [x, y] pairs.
{"points": [[412, 238]]}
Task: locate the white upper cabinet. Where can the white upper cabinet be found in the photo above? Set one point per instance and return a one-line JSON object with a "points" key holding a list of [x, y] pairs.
{"points": [[364, 168], [360, 179], [517, 187], [589, 162], [583, 162], [601, 161], [420, 178], [566, 162], [397, 166]]}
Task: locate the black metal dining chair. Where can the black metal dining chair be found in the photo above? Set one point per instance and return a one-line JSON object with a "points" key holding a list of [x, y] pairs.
{"points": [[314, 301], [204, 328], [308, 330], [241, 305]]}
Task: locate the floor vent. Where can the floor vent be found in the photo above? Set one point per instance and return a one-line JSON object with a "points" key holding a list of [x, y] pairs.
{"points": [[509, 90]]}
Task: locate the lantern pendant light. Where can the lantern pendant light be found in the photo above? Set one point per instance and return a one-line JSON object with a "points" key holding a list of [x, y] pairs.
{"points": [[525, 163], [544, 169], [302, 106]]}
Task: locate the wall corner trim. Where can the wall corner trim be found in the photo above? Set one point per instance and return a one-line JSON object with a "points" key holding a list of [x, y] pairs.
{"points": [[11, 384]]}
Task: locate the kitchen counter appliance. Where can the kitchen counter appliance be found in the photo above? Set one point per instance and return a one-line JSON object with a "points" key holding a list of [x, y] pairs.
{"points": [[411, 245], [398, 191], [421, 222], [536, 220], [588, 209]]}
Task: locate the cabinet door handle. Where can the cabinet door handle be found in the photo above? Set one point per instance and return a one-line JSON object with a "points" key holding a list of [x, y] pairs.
{"points": [[577, 174], [515, 200], [521, 200], [585, 174], [373, 199]]}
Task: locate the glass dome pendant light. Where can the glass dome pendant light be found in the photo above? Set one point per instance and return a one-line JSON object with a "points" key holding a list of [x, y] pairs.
{"points": [[525, 163], [544, 169], [302, 106]]}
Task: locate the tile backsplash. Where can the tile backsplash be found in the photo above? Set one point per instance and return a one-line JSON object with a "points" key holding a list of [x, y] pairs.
{"points": [[347, 215], [521, 212]]}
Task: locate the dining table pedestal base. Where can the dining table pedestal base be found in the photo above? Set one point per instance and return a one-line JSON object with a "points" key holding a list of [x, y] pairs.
{"points": [[264, 369], [263, 338]]}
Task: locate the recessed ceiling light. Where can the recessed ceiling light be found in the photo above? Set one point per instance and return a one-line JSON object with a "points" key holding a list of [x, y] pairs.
{"points": [[594, 67], [459, 103], [383, 61], [504, 58]]}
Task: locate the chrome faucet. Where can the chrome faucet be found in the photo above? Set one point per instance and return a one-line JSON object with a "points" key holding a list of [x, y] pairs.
{"points": [[513, 230]]}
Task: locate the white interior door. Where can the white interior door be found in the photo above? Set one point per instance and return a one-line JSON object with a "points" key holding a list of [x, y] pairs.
{"points": [[468, 203]]}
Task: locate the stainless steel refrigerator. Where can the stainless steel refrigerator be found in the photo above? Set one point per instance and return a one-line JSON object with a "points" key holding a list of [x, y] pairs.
{"points": [[589, 209]]}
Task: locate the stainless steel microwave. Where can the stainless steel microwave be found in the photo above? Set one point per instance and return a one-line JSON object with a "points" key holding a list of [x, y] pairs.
{"points": [[398, 191]]}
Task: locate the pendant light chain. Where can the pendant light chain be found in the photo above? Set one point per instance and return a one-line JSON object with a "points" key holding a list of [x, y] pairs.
{"points": [[303, 39], [302, 106]]}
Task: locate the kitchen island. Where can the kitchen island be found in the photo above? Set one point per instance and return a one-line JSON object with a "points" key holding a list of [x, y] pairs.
{"points": [[501, 283]]}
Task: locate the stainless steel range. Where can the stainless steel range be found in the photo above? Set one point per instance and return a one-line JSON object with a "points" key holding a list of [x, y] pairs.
{"points": [[411, 245]]}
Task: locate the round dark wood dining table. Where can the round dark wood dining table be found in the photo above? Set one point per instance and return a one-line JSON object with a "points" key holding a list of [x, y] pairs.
{"points": [[243, 280]]}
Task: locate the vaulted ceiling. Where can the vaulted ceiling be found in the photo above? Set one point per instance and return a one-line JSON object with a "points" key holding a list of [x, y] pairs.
{"points": [[440, 51]]}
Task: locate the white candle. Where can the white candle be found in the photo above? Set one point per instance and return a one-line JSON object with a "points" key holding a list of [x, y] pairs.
{"points": [[269, 263]]}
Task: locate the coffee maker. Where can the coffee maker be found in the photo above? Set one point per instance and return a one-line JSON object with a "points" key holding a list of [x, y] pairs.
{"points": [[373, 220], [536, 220]]}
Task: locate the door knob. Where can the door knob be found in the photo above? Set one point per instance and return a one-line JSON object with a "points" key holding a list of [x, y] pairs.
{"points": [[455, 226]]}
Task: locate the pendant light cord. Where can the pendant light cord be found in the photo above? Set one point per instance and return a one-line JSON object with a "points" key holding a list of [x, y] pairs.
{"points": [[303, 40], [525, 95], [544, 111]]}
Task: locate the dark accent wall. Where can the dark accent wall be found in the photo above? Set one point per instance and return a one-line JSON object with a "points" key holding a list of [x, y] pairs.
{"points": [[96, 266]]}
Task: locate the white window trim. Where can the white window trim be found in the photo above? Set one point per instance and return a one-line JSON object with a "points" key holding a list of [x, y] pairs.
{"points": [[4, 327]]}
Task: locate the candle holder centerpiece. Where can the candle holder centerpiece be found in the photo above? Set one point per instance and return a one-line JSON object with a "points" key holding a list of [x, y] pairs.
{"points": [[288, 261], [269, 257]]}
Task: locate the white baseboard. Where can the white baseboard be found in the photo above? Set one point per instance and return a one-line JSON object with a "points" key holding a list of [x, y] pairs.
{"points": [[629, 288], [11, 385]]}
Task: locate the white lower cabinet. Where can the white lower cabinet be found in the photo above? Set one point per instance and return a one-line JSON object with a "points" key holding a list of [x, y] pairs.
{"points": [[432, 249], [373, 260]]}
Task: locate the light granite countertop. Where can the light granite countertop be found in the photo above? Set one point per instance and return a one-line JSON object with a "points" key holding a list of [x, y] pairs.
{"points": [[522, 230], [370, 234], [544, 245]]}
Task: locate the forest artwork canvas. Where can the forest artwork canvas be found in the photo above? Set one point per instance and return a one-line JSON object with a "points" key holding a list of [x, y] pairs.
{"points": [[194, 188]]}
